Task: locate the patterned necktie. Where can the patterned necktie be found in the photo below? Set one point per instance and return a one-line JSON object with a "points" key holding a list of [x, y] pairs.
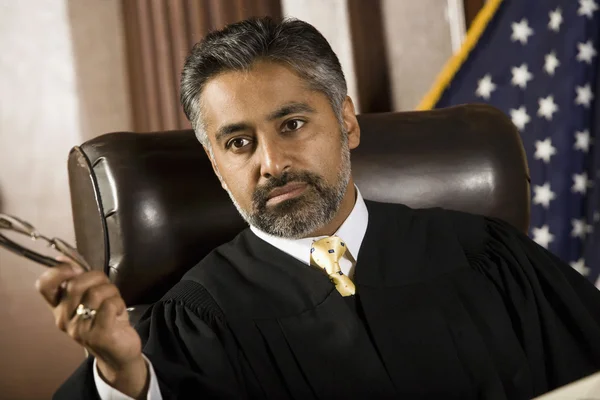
{"points": [[326, 253]]}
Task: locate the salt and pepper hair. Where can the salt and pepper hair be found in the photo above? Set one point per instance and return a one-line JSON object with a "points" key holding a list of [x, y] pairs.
{"points": [[291, 42]]}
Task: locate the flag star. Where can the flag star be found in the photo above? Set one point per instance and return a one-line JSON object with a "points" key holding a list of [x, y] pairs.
{"points": [[582, 141], [547, 107], [580, 228], [485, 87], [542, 236], [520, 76], [580, 267], [520, 117], [543, 195], [584, 95], [580, 183], [587, 8], [555, 20], [586, 52], [550, 63], [544, 150], [521, 31]]}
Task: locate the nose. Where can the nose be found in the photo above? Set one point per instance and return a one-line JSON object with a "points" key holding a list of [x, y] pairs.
{"points": [[274, 158]]}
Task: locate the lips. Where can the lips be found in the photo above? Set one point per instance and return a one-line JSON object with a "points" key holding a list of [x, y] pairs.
{"points": [[286, 192]]}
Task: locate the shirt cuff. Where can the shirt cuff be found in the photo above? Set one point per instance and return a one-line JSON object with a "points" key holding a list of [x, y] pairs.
{"points": [[107, 392]]}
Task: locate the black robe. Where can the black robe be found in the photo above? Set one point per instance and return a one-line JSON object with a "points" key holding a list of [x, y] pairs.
{"points": [[449, 306]]}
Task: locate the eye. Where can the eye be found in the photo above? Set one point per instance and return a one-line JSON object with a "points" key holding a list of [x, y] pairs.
{"points": [[237, 143], [293, 125]]}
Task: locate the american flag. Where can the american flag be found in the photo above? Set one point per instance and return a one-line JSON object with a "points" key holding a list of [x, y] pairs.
{"points": [[537, 61]]}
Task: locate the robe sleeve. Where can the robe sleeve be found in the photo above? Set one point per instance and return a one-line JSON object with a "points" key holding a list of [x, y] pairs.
{"points": [[555, 312], [190, 349]]}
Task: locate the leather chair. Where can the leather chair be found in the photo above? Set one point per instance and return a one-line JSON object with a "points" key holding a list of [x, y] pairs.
{"points": [[147, 207]]}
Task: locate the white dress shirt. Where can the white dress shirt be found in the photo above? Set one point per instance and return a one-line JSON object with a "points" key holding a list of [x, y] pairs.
{"points": [[352, 231]]}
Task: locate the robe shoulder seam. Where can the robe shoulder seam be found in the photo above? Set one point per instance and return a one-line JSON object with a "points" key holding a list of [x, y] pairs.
{"points": [[196, 298]]}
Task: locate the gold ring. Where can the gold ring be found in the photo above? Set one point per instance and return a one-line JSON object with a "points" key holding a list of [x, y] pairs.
{"points": [[85, 312]]}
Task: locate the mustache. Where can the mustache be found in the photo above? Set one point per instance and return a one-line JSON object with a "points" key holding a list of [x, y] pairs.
{"points": [[261, 193]]}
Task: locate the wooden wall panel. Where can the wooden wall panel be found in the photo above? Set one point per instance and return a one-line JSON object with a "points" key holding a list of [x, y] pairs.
{"points": [[159, 35], [472, 7], [370, 56]]}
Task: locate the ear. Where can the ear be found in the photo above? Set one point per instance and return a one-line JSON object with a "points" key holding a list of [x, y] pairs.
{"points": [[214, 167], [351, 123]]}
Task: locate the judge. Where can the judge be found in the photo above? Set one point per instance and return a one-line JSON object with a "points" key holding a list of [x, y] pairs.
{"points": [[326, 295]]}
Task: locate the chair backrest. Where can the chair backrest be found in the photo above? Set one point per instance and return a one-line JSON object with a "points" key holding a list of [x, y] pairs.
{"points": [[147, 207]]}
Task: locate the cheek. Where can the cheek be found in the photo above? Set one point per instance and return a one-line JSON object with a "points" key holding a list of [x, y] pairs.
{"points": [[329, 159], [241, 187]]}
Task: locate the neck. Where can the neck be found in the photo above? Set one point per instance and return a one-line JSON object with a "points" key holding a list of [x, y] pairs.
{"points": [[344, 211]]}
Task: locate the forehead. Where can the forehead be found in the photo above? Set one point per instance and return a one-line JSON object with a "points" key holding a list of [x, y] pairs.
{"points": [[236, 96]]}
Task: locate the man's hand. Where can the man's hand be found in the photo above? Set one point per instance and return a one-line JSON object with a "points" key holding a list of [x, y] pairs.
{"points": [[107, 335]]}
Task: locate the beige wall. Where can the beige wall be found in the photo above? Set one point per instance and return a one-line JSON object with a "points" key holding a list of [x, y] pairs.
{"points": [[419, 40], [62, 81], [331, 18], [419, 43]]}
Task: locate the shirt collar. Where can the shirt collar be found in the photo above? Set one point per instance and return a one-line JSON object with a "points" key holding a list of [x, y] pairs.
{"points": [[352, 231]]}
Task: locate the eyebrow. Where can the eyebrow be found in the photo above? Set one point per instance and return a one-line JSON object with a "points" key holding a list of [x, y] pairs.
{"points": [[290, 108], [230, 129]]}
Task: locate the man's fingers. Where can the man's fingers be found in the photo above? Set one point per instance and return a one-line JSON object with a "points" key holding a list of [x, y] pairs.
{"points": [[96, 295], [93, 299], [108, 312], [72, 295], [101, 332], [49, 283]]}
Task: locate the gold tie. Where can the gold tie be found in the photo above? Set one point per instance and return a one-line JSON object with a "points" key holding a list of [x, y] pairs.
{"points": [[326, 253]]}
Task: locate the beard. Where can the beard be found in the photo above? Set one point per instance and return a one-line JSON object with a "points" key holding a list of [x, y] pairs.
{"points": [[298, 217]]}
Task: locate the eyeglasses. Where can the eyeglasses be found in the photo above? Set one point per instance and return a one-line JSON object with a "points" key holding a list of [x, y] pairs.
{"points": [[14, 224]]}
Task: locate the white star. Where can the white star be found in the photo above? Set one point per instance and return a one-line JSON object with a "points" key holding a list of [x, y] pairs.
{"points": [[580, 267], [582, 141], [520, 117], [584, 95], [547, 107], [586, 51], [550, 63], [542, 236], [555, 20], [521, 31], [580, 228], [580, 183], [485, 87], [543, 195], [587, 8], [520, 76], [544, 150]]}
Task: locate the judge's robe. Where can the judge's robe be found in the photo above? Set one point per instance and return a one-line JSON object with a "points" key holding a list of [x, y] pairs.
{"points": [[449, 306]]}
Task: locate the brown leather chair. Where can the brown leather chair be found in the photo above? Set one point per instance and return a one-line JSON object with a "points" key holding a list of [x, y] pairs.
{"points": [[147, 207]]}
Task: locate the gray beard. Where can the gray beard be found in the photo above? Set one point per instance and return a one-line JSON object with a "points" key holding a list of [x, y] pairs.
{"points": [[299, 217]]}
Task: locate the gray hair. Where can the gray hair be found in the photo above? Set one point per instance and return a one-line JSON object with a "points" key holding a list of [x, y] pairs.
{"points": [[291, 42]]}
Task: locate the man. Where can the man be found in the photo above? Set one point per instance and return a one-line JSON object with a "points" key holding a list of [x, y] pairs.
{"points": [[326, 295]]}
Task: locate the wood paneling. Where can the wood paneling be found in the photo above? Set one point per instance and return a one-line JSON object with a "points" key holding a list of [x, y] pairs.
{"points": [[472, 7], [370, 57], [159, 35]]}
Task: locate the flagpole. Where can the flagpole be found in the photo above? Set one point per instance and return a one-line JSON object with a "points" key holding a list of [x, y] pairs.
{"points": [[455, 62]]}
